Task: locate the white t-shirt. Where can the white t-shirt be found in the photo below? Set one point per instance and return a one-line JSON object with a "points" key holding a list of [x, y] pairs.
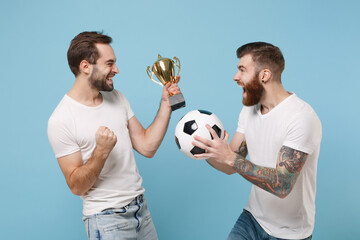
{"points": [[292, 123], [72, 128]]}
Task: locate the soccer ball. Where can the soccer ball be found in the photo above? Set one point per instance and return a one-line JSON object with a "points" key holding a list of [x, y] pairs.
{"points": [[194, 123]]}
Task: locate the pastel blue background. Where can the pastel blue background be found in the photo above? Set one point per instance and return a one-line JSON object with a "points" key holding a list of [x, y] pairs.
{"points": [[188, 199]]}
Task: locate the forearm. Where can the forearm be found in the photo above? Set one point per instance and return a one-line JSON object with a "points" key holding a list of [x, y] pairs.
{"points": [[84, 177], [227, 163], [155, 133], [271, 180], [223, 167]]}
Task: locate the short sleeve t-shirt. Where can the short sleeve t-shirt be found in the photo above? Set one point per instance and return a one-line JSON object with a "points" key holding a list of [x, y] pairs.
{"points": [[292, 123], [72, 128]]}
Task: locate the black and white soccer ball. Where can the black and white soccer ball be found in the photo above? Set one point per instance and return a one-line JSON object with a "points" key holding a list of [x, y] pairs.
{"points": [[194, 123]]}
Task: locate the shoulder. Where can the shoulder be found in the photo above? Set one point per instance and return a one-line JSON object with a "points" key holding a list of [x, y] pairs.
{"points": [[61, 111], [62, 114], [302, 110], [304, 127]]}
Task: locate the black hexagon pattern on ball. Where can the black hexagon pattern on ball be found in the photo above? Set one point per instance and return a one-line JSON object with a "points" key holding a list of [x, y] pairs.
{"points": [[177, 142], [190, 127], [217, 130], [205, 112], [197, 150]]}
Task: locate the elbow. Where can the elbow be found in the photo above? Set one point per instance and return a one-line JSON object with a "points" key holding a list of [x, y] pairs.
{"points": [[77, 192], [284, 193], [229, 172], [146, 150], [149, 151], [285, 187], [80, 182], [149, 154]]}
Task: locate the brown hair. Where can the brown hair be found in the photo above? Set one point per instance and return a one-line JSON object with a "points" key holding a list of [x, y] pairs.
{"points": [[82, 47], [265, 55]]}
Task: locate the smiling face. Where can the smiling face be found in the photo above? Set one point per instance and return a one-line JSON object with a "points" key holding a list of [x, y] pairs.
{"points": [[103, 71], [247, 77]]}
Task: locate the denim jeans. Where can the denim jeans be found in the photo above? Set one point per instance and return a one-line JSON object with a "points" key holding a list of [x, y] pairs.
{"points": [[247, 228], [130, 222]]}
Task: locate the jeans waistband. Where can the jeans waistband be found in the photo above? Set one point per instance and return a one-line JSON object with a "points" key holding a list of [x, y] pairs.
{"points": [[137, 200]]}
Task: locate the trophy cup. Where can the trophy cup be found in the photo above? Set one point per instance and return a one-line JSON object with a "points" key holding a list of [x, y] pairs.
{"points": [[164, 69]]}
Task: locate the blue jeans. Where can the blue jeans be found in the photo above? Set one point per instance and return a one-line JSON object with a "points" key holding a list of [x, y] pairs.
{"points": [[130, 222], [247, 228]]}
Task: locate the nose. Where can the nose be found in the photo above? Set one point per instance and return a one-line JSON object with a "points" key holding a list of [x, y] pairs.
{"points": [[115, 69], [237, 77]]}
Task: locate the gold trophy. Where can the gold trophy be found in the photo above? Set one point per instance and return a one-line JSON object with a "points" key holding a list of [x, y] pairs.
{"points": [[164, 69]]}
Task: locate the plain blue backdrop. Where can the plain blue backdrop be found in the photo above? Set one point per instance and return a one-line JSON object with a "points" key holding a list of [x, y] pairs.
{"points": [[188, 199]]}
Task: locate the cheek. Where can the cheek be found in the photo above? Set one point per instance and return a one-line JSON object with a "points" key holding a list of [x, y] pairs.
{"points": [[246, 80]]}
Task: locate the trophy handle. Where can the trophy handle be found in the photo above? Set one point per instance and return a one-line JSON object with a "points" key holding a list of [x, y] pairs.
{"points": [[177, 63], [148, 71]]}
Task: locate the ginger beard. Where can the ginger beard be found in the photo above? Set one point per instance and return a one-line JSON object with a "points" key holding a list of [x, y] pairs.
{"points": [[100, 81], [253, 92]]}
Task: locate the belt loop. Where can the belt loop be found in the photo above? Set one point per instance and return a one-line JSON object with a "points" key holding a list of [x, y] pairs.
{"points": [[140, 198]]}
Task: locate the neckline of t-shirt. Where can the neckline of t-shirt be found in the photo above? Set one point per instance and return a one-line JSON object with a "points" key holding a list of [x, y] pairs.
{"points": [[258, 107], [83, 105]]}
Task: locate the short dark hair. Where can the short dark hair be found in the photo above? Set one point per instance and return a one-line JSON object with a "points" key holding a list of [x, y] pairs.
{"points": [[82, 47], [265, 55]]}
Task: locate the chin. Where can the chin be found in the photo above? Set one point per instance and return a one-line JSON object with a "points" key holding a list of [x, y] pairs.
{"points": [[108, 88], [249, 104]]}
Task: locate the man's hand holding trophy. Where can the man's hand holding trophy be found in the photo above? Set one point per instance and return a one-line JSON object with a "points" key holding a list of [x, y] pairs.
{"points": [[164, 69]]}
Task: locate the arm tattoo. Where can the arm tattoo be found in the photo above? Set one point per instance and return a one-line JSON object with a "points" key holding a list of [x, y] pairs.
{"points": [[278, 181], [242, 151], [291, 159]]}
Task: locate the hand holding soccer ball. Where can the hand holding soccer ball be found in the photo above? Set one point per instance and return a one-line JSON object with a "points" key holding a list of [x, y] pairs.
{"points": [[194, 123]]}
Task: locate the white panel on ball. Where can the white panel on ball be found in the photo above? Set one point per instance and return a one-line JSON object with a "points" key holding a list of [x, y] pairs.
{"points": [[194, 123]]}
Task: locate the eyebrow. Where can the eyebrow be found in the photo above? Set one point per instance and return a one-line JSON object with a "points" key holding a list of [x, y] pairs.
{"points": [[241, 66], [110, 61]]}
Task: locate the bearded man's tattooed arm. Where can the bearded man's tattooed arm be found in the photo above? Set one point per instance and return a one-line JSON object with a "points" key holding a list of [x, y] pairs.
{"points": [[242, 151], [278, 181]]}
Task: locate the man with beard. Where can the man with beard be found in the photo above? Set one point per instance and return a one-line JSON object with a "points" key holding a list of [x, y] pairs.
{"points": [[282, 135], [93, 132]]}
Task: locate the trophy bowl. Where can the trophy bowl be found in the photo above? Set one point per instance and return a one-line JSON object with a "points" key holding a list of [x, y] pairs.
{"points": [[164, 70]]}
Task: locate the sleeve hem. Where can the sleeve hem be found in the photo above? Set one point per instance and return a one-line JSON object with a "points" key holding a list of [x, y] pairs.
{"points": [[299, 148], [66, 154], [240, 130]]}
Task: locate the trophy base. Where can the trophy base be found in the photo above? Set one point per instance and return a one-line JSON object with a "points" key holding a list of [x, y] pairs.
{"points": [[177, 101]]}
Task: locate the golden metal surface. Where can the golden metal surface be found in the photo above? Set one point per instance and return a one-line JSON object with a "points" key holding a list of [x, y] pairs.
{"points": [[164, 70]]}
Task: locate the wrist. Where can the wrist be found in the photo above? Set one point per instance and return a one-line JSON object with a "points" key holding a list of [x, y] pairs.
{"points": [[165, 107], [231, 159], [100, 153], [241, 165]]}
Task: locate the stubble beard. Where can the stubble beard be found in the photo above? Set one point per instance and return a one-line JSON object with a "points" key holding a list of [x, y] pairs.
{"points": [[99, 82]]}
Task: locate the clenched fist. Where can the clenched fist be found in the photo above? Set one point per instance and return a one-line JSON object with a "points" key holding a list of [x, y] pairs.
{"points": [[105, 139]]}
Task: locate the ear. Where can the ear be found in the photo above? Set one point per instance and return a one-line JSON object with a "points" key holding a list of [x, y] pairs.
{"points": [[265, 75], [85, 67]]}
